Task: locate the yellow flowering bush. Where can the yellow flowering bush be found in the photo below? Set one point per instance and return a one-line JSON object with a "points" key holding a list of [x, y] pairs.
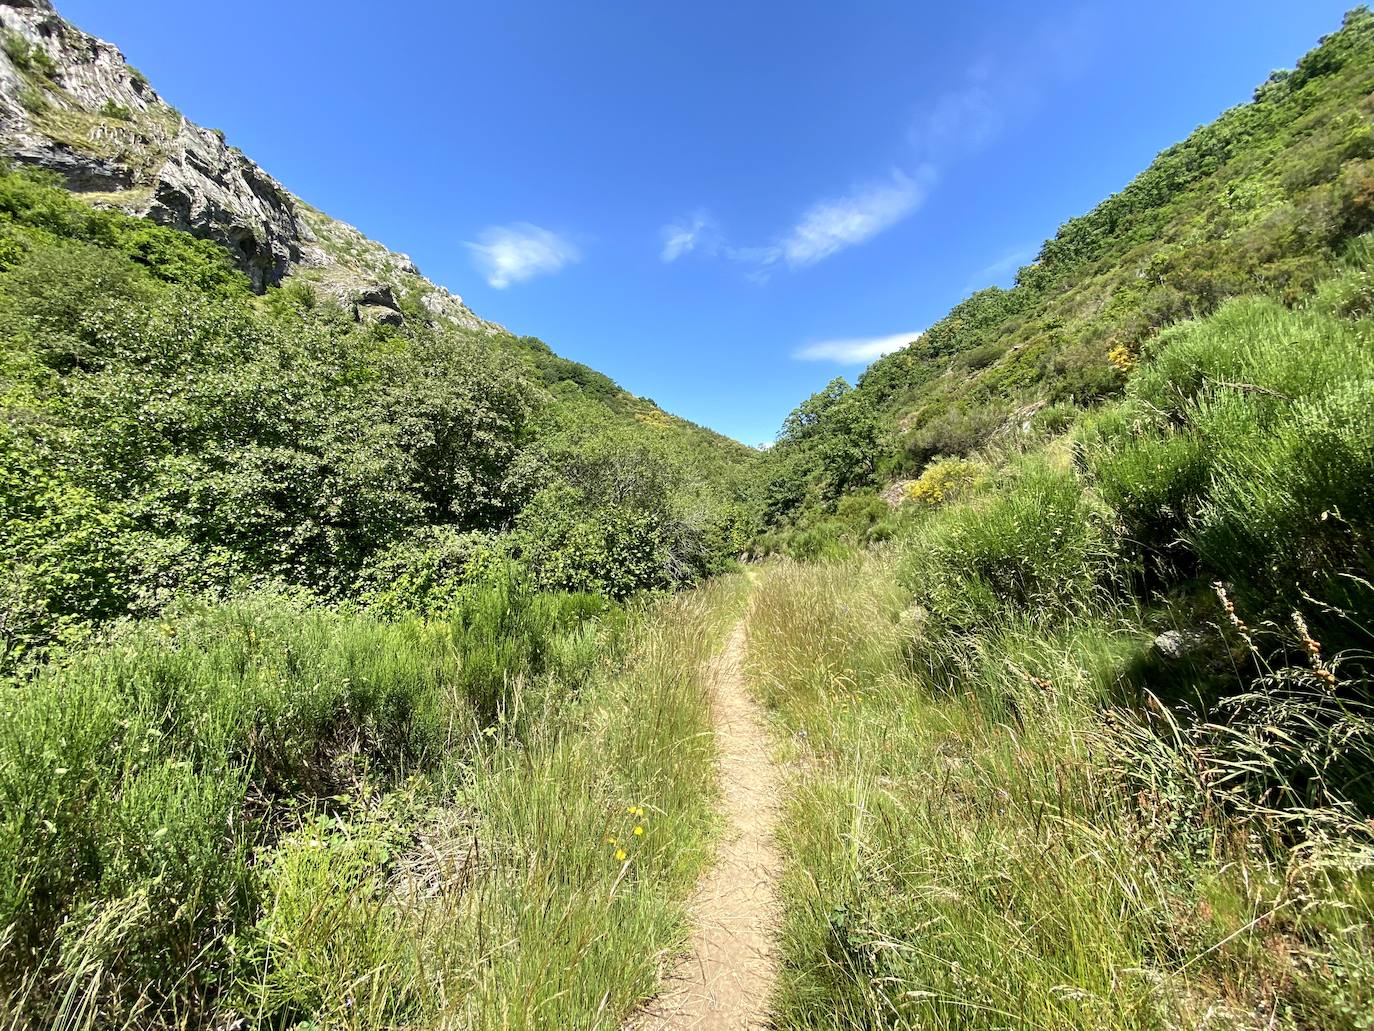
{"points": [[944, 480]]}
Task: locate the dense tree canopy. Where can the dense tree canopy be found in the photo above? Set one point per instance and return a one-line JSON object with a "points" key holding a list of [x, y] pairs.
{"points": [[166, 431]]}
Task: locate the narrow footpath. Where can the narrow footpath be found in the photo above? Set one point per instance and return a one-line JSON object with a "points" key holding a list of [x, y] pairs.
{"points": [[725, 981]]}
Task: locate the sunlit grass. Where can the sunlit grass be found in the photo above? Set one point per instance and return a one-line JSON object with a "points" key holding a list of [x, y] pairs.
{"points": [[970, 843], [284, 815]]}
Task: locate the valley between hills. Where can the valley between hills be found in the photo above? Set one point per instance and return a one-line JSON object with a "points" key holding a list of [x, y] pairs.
{"points": [[369, 665]]}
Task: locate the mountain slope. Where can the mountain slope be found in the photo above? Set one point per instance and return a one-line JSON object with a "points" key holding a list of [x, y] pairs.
{"points": [[206, 385], [1262, 200], [71, 104]]}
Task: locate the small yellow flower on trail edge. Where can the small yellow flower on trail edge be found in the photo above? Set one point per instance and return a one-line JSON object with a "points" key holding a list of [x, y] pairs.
{"points": [[620, 854], [610, 840], [639, 832]]}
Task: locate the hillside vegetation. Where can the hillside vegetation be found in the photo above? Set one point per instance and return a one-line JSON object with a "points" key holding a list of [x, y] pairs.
{"points": [[1266, 199], [1083, 739], [168, 432], [358, 671]]}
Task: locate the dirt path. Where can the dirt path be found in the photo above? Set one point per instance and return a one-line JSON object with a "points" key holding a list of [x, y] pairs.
{"points": [[727, 977]]}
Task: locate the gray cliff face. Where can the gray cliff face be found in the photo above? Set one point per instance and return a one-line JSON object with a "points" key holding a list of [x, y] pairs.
{"points": [[204, 186], [70, 103]]}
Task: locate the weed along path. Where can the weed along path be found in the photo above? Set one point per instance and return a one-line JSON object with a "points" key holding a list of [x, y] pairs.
{"points": [[726, 979]]}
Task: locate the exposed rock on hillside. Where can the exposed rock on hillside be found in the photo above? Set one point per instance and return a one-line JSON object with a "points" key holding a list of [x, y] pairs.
{"points": [[70, 103]]}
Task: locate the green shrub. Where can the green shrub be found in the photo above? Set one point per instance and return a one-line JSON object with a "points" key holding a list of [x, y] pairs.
{"points": [[612, 518], [118, 112], [430, 572], [1245, 438], [510, 635], [34, 100], [1253, 347], [1291, 510], [1154, 476], [330, 945], [822, 541], [28, 57], [126, 775], [956, 432], [1038, 545]]}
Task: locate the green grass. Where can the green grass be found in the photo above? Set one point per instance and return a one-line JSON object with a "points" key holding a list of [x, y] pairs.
{"points": [[977, 838], [275, 811]]}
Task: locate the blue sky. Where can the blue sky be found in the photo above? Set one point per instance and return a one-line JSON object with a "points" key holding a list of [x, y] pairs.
{"points": [[722, 205]]}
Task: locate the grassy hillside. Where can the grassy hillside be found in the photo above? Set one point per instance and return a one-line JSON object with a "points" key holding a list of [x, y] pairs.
{"points": [[1266, 199], [1083, 739]]}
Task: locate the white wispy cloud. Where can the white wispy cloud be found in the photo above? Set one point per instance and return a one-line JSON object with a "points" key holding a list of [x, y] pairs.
{"points": [[855, 351], [832, 225], [689, 234], [514, 253], [1000, 89], [963, 119], [1009, 262], [824, 228], [997, 90]]}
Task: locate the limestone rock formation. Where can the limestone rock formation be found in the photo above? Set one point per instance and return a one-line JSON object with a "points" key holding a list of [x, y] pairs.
{"points": [[70, 103]]}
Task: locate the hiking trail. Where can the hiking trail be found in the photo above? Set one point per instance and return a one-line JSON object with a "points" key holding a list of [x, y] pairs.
{"points": [[725, 981]]}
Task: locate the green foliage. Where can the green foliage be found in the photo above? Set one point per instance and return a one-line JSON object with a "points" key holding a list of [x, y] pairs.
{"points": [[1242, 450], [139, 780], [28, 57], [856, 521], [827, 447], [325, 918], [608, 521], [1036, 545], [1152, 476], [118, 112], [956, 432], [430, 572], [35, 210], [70, 555], [34, 100]]}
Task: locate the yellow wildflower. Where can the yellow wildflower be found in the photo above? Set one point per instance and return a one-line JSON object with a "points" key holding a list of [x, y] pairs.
{"points": [[620, 854], [639, 832]]}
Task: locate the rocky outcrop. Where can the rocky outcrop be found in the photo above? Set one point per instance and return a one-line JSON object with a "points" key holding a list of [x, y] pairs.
{"points": [[70, 103], [207, 188]]}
